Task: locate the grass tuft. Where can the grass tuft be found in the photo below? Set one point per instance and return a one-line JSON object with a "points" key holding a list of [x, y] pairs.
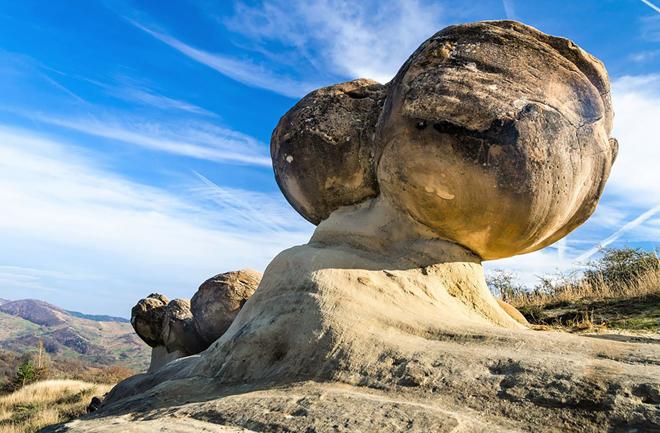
{"points": [[570, 292]]}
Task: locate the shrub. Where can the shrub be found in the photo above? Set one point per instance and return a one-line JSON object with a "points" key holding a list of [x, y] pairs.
{"points": [[27, 373], [503, 284], [621, 266]]}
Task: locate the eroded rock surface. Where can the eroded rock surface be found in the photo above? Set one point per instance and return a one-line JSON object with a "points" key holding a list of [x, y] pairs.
{"points": [[493, 135], [492, 140], [147, 318], [219, 299], [179, 332], [323, 149], [184, 327]]}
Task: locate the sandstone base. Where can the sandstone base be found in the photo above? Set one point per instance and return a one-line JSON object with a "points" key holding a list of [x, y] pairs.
{"points": [[339, 340]]}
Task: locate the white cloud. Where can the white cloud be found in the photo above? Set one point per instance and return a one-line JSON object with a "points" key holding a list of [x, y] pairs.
{"points": [[145, 96], [635, 173], [193, 139], [243, 71], [651, 5], [352, 39], [509, 9], [64, 215]]}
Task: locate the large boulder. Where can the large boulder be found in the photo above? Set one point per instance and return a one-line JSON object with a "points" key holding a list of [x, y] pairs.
{"points": [[147, 318], [219, 299], [179, 333], [496, 136], [335, 120]]}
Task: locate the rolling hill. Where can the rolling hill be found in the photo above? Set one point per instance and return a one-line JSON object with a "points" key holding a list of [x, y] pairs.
{"points": [[69, 336]]}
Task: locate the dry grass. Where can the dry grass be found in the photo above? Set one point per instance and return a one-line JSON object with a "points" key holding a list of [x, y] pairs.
{"points": [[45, 403], [574, 291]]}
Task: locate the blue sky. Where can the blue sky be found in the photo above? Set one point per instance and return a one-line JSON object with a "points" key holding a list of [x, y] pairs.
{"points": [[134, 134]]}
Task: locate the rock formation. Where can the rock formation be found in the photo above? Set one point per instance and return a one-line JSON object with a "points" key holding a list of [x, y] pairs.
{"points": [[179, 333], [492, 140], [147, 318], [181, 327], [219, 299]]}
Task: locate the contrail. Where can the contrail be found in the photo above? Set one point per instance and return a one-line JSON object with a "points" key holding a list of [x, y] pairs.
{"points": [[628, 226], [651, 5], [509, 10], [242, 209]]}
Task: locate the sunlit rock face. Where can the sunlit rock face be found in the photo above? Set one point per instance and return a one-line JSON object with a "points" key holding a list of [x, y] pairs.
{"points": [[219, 299], [181, 327], [492, 140], [493, 135]]}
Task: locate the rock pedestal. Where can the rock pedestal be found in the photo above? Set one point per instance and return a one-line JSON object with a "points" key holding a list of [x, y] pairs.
{"points": [[492, 140]]}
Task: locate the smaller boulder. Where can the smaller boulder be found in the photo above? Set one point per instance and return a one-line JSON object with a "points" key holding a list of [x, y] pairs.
{"points": [[147, 318], [513, 312], [219, 299], [179, 333], [94, 405]]}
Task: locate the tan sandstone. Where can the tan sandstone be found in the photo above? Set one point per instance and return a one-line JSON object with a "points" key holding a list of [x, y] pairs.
{"points": [[492, 140]]}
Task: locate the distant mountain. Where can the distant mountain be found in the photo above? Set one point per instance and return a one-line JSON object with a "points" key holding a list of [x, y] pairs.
{"points": [[3, 301], [97, 340], [39, 312], [98, 317]]}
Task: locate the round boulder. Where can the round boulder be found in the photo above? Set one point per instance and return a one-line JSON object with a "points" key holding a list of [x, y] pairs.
{"points": [[179, 333], [147, 318], [219, 299], [496, 136], [322, 149]]}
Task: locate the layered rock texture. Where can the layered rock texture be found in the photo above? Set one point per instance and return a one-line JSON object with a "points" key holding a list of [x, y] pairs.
{"points": [[492, 140]]}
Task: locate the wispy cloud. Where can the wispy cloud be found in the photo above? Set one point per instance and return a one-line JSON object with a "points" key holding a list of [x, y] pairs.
{"points": [[367, 39], [644, 56], [63, 88], [64, 213], [257, 209], [128, 89], [193, 139], [651, 5], [634, 174], [243, 71], [149, 97], [509, 9]]}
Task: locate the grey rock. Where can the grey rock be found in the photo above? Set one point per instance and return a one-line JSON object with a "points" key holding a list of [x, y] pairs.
{"points": [[323, 148], [147, 318], [219, 299], [179, 333]]}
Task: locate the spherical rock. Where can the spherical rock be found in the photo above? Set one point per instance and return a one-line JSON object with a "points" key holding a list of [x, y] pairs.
{"points": [[322, 149], [147, 318], [179, 333], [496, 136], [219, 299]]}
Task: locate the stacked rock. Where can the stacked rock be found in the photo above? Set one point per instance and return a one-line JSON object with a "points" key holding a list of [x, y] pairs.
{"points": [[182, 327], [492, 135]]}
